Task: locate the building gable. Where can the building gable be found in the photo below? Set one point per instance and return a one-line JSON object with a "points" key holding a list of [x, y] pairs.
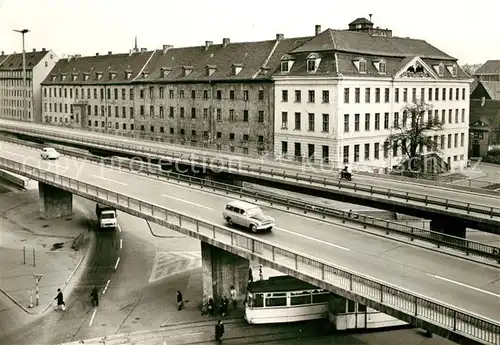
{"points": [[415, 67]]}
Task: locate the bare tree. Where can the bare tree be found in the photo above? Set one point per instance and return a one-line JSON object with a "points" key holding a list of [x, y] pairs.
{"points": [[415, 131]]}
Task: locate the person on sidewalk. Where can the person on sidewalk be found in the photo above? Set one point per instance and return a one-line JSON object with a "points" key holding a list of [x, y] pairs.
{"points": [[60, 300], [180, 302], [223, 306], [208, 309], [232, 295], [219, 331], [94, 296]]}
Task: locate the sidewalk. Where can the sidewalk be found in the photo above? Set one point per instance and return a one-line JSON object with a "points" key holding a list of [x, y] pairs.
{"points": [[30, 245]]}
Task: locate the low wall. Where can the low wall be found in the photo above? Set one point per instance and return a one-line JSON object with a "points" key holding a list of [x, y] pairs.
{"points": [[15, 179]]}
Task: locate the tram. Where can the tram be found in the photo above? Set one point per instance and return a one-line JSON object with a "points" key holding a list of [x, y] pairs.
{"points": [[286, 299]]}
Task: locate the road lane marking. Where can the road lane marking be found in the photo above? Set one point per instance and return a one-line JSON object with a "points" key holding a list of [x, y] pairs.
{"points": [[313, 239], [117, 262], [92, 318], [110, 180], [119, 228], [464, 285], [106, 287], [121, 243], [187, 202]]}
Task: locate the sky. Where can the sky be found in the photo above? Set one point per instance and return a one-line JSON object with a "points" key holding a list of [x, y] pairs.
{"points": [[467, 32]]}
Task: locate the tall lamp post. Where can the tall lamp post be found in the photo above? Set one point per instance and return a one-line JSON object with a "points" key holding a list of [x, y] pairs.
{"points": [[22, 32]]}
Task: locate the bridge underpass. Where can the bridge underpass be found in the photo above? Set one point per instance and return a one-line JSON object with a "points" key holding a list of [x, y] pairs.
{"points": [[444, 219], [404, 305]]}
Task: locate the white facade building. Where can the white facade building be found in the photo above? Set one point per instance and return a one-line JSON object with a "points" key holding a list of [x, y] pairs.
{"points": [[339, 96], [38, 66]]}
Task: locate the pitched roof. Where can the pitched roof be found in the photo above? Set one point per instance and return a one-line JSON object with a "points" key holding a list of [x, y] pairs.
{"points": [[256, 59], [360, 21], [14, 62], [492, 88], [363, 43], [489, 67], [119, 64]]}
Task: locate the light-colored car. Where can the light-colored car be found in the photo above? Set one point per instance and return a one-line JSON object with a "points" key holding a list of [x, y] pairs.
{"points": [[247, 215], [49, 153]]}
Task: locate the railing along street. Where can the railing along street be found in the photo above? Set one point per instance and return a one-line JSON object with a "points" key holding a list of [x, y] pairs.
{"points": [[362, 170], [385, 226], [407, 305]]}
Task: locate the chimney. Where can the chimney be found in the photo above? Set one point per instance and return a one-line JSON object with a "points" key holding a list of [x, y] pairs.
{"points": [[96, 54], [110, 53], [370, 16], [317, 29], [143, 50], [280, 37], [34, 50], [225, 42], [43, 49], [208, 44], [166, 48]]}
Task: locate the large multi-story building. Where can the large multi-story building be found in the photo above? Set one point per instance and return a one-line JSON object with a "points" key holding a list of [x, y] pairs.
{"points": [[340, 95], [215, 95], [38, 65]]}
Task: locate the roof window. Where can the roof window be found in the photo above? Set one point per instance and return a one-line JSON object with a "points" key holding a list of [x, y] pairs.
{"points": [[313, 61]]}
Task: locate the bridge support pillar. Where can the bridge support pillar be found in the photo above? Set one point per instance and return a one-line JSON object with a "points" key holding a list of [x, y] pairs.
{"points": [[449, 226], [54, 202], [221, 269]]}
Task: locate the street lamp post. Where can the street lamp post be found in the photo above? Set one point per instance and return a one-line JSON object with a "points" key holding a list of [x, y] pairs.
{"points": [[23, 32]]}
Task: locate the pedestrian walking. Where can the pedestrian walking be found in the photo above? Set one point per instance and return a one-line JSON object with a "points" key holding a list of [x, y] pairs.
{"points": [[219, 331], [250, 275], [208, 309], [180, 302], [60, 300], [223, 306], [232, 295], [94, 297]]}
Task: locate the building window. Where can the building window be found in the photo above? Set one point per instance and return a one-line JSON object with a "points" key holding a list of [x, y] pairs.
{"points": [[345, 153], [298, 152], [367, 95], [443, 97], [219, 114], [231, 94], [362, 66], [377, 95], [356, 122], [456, 115], [181, 112], [377, 121], [325, 154], [413, 94], [449, 141], [131, 95], [436, 94], [386, 149], [367, 152], [395, 147], [386, 96], [261, 116], [429, 94], [231, 115], [245, 95], [346, 95], [123, 94], [441, 70], [396, 95], [455, 141], [284, 120], [326, 123], [298, 96], [245, 115], [386, 120], [422, 94], [311, 96], [181, 94], [462, 139], [152, 111], [396, 120], [171, 94], [205, 94], [376, 151], [205, 113], [284, 148], [326, 96], [310, 152], [193, 94], [162, 114], [284, 95], [346, 122], [463, 115], [457, 94], [193, 113], [311, 65], [284, 66], [141, 94], [381, 67], [171, 112], [311, 122], [357, 95], [297, 121], [405, 95], [356, 153], [450, 116], [367, 122], [261, 95], [463, 94]]}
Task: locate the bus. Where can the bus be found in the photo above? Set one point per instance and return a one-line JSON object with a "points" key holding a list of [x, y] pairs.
{"points": [[287, 299]]}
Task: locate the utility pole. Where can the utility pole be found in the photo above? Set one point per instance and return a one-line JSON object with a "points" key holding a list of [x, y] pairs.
{"points": [[25, 105]]}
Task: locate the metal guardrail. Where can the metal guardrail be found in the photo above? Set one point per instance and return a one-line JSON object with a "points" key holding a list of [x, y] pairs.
{"points": [[388, 227], [293, 164], [283, 175], [409, 306]]}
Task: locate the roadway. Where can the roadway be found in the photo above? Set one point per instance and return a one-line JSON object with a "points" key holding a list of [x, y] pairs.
{"points": [[461, 283], [450, 192]]}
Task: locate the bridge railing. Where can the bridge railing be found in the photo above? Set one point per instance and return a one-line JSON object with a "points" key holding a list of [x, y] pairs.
{"points": [[263, 169], [407, 305], [385, 226]]}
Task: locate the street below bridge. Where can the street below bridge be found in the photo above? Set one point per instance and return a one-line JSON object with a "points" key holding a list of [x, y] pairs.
{"points": [[457, 282]]}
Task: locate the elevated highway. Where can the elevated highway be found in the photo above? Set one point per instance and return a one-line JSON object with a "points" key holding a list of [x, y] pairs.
{"points": [[453, 297], [451, 208]]}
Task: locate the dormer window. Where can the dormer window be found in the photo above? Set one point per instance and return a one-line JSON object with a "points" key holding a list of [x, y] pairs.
{"points": [[112, 75], [187, 70], [313, 61], [236, 68], [285, 66], [360, 65], [63, 77], [75, 76], [165, 72], [453, 70], [145, 74], [53, 78], [441, 70], [210, 69], [380, 65], [98, 75], [286, 63], [86, 77], [128, 74]]}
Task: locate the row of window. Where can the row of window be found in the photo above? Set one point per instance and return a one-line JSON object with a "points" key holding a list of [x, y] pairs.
{"points": [[371, 151], [432, 94], [153, 93], [18, 113], [14, 103], [404, 121]]}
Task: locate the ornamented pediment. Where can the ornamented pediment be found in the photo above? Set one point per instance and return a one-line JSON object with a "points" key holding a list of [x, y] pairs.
{"points": [[416, 68]]}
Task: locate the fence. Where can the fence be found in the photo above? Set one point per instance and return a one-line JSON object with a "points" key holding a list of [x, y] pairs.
{"points": [[388, 227], [406, 305]]}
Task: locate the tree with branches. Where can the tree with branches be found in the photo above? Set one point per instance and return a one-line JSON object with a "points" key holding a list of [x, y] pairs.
{"points": [[413, 132]]}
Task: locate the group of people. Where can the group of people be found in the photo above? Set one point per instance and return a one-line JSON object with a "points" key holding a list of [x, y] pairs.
{"points": [[209, 307], [61, 304]]}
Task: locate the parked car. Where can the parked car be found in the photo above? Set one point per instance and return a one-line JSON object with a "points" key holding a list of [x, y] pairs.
{"points": [[49, 153], [247, 215]]}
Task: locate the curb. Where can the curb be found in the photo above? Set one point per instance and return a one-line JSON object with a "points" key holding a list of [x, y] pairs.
{"points": [[85, 257]]}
